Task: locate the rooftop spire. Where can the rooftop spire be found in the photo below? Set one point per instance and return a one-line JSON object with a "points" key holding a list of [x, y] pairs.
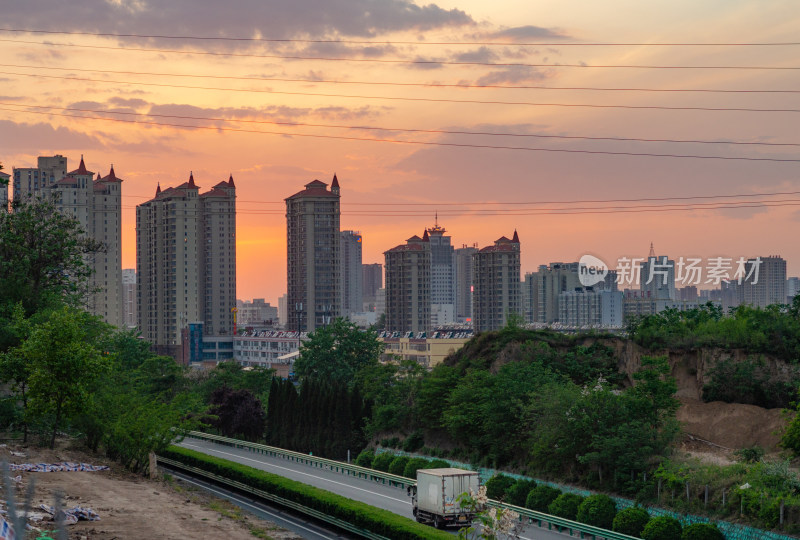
{"points": [[515, 238], [335, 185], [158, 189], [436, 219], [425, 236], [111, 175], [230, 181], [191, 179], [82, 167], [652, 250], [98, 176]]}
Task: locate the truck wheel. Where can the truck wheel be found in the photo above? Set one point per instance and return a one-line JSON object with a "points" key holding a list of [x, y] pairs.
{"points": [[436, 523]]}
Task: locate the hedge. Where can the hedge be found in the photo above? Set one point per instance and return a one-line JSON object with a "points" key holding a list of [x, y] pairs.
{"points": [[398, 465], [361, 515], [702, 531], [662, 528], [541, 496], [598, 510], [631, 521], [497, 486], [365, 458], [565, 506], [517, 494], [413, 465], [382, 462]]}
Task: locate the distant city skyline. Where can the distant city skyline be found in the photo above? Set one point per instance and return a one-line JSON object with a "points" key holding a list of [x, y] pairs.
{"points": [[396, 188]]}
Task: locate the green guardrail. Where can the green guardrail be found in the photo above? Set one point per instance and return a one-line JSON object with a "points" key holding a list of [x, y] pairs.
{"points": [[273, 498], [298, 457], [526, 516]]}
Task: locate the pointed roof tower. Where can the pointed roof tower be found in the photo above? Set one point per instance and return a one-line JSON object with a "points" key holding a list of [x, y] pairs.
{"points": [[191, 180], [98, 177], [425, 236], [158, 189], [230, 181], [335, 185], [652, 251], [515, 238]]}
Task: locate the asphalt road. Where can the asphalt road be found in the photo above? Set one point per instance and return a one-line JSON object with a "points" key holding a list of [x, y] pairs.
{"points": [[358, 489]]}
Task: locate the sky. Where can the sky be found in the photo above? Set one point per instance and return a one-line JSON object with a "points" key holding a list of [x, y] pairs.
{"points": [[438, 77]]}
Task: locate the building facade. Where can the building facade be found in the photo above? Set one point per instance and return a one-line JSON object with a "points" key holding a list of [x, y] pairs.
{"points": [[495, 277], [313, 256], [186, 263], [764, 282], [129, 318], [371, 281], [443, 276], [34, 182], [408, 286], [257, 312], [5, 180], [351, 286], [463, 266]]}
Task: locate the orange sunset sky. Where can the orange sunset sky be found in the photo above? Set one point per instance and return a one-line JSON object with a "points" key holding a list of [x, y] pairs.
{"points": [[237, 98]]}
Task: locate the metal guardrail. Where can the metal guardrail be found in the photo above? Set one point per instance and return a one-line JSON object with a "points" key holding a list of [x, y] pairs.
{"points": [[540, 518], [298, 457], [525, 514], [273, 498]]}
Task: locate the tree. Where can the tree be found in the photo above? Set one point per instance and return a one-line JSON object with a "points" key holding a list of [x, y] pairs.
{"points": [[631, 521], [42, 258], [541, 496], [497, 486], [337, 352], [662, 528], [566, 506], [598, 510], [702, 531], [63, 364], [238, 413], [517, 494]]}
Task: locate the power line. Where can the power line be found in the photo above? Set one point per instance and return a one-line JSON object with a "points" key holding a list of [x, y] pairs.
{"points": [[393, 60], [415, 99], [419, 143], [402, 130], [390, 42], [406, 84]]}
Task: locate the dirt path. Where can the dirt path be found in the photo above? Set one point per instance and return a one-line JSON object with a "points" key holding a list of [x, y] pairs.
{"points": [[135, 508]]}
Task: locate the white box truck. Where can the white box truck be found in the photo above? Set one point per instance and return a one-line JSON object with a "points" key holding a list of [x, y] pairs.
{"points": [[435, 497]]}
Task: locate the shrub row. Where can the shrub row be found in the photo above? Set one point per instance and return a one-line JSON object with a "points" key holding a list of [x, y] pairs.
{"points": [[362, 515], [597, 510], [399, 465]]}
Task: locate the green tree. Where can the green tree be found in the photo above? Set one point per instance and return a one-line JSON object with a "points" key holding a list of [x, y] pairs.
{"points": [[42, 259], [702, 531], [566, 506], [63, 364], [662, 528], [631, 521], [598, 510], [337, 352], [517, 494], [541, 496], [497, 486]]}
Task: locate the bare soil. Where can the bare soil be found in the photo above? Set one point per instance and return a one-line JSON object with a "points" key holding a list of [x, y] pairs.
{"points": [[732, 425], [132, 507]]}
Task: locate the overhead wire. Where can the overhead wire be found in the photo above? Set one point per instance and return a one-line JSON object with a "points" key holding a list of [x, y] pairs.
{"points": [[410, 142], [395, 42], [409, 84], [401, 130], [396, 60], [417, 99]]}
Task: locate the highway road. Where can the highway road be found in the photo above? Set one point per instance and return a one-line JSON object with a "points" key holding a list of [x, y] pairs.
{"points": [[358, 489]]}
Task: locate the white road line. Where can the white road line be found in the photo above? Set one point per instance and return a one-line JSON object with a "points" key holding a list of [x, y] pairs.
{"points": [[298, 472], [252, 506]]}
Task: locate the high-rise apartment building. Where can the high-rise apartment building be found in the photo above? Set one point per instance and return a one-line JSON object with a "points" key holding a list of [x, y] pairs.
{"points": [[129, 318], [351, 286], [770, 285], [792, 288], [495, 275], [97, 205], [5, 179], [463, 267], [657, 277], [255, 313], [30, 182], [371, 281], [443, 276], [186, 263], [313, 256], [543, 287], [408, 286]]}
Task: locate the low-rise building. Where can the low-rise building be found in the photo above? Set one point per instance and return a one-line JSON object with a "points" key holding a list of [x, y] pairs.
{"points": [[426, 348]]}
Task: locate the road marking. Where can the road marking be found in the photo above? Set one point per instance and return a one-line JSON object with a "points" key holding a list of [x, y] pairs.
{"points": [[298, 472], [253, 506]]}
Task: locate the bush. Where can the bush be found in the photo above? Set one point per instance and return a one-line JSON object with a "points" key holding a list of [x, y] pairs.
{"points": [[749, 455], [702, 531], [565, 506], [382, 462], [540, 497], [517, 494], [437, 464], [365, 458], [662, 528], [378, 521], [598, 510], [413, 442], [631, 521], [497, 486], [413, 464], [398, 465]]}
